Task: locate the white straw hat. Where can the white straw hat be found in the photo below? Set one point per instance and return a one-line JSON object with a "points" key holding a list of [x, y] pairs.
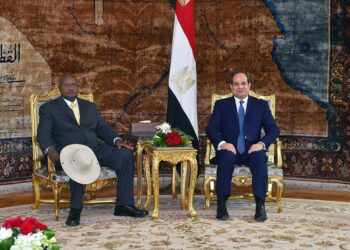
{"points": [[80, 163]]}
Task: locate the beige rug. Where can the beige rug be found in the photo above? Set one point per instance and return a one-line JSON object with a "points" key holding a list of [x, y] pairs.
{"points": [[303, 224]]}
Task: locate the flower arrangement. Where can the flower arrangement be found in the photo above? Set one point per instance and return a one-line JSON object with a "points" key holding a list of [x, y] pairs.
{"points": [[170, 137], [17, 233]]}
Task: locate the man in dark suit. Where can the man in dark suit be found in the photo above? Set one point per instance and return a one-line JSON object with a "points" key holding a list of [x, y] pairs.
{"points": [[235, 131], [71, 120]]}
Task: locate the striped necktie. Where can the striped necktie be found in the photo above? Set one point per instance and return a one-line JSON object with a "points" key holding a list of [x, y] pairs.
{"points": [[74, 108]]}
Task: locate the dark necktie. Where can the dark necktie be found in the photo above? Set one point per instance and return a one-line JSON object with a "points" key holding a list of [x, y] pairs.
{"points": [[240, 141]]}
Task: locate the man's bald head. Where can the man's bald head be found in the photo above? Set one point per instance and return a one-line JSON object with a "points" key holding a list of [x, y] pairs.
{"points": [[67, 76], [68, 86]]}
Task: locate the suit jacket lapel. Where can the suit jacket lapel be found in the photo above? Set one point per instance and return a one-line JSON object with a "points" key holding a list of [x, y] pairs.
{"points": [[82, 111], [249, 111], [63, 105], [235, 115]]}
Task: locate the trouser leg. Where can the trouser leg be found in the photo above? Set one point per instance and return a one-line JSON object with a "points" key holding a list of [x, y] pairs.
{"points": [[226, 161], [76, 194], [122, 161], [258, 168]]}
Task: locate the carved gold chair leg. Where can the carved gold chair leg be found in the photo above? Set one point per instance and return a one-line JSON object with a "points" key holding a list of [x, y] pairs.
{"points": [[57, 193], [36, 188], [279, 191], [207, 181], [269, 190]]}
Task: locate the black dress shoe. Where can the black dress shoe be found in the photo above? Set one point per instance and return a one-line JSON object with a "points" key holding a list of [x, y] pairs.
{"points": [[129, 210], [260, 213], [73, 218], [221, 211]]}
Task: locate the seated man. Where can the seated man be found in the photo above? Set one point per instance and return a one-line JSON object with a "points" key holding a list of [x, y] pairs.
{"points": [[71, 120], [235, 131]]}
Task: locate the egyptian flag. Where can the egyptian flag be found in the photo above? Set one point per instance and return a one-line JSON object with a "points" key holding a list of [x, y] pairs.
{"points": [[182, 94]]}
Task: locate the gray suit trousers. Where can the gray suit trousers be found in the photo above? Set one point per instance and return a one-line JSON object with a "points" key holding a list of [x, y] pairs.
{"points": [[122, 161]]}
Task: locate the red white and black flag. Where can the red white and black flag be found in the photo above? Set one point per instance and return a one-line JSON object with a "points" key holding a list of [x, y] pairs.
{"points": [[182, 94]]}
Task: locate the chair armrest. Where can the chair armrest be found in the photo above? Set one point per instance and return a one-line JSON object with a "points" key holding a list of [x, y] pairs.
{"points": [[35, 139], [279, 153], [51, 168], [36, 150]]}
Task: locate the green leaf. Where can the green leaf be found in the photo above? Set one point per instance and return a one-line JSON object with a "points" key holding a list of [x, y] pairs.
{"points": [[54, 246], [15, 231], [7, 243], [49, 233]]}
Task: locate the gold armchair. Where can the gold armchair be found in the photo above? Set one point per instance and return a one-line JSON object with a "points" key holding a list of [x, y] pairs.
{"points": [[241, 175], [45, 175]]}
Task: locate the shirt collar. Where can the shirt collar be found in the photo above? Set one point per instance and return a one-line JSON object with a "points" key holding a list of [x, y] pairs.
{"points": [[245, 100], [69, 102]]}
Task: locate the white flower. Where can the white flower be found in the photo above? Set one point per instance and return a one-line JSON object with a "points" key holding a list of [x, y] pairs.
{"points": [[28, 242], [5, 233], [47, 242], [165, 127], [52, 240]]}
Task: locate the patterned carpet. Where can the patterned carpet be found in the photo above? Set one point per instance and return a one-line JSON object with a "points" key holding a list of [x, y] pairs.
{"points": [[303, 224]]}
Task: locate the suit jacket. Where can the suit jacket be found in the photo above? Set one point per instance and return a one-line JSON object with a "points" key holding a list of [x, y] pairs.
{"points": [[59, 128], [223, 124]]}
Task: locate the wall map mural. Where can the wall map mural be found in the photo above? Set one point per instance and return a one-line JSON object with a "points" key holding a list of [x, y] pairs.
{"points": [[120, 50]]}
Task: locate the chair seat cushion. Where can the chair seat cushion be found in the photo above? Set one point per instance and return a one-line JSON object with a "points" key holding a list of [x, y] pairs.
{"points": [[61, 176], [243, 170]]}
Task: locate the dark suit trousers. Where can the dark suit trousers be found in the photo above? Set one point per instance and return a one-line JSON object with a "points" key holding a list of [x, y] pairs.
{"points": [[258, 167], [123, 163]]}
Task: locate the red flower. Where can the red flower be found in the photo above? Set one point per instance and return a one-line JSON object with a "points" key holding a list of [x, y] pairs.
{"points": [[27, 227], [169, 142], [41, 226], [35, 223], [12, 222], [173, 139]]}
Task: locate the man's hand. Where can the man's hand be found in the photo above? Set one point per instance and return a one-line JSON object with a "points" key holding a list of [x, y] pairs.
{"points": [[124, 144], [228, 147], [256, 147], [53, 154]]}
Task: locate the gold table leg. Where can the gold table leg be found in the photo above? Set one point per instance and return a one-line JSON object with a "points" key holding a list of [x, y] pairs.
{"points": [[173, 182], [155, 176], [183, 185], [148, 180], [194, 170]]}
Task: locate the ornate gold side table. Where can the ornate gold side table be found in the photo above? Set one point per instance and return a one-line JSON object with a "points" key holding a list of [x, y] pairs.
{"points": [[184, 155]]}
